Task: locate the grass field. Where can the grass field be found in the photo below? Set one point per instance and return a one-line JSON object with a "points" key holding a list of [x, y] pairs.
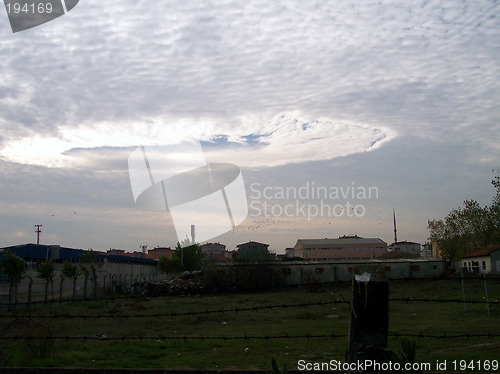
{"points": [[426, 318]]}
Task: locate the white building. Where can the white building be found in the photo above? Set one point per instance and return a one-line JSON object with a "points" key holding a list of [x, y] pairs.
{"points": [[407, 247]]}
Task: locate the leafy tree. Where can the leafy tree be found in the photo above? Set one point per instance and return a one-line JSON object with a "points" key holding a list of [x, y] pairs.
{"points": [[46, 271], [467, 228], [495, 208], [169, 265], [191, 256], [90, 263], [71, 270], [184, 258], [15, 268]]}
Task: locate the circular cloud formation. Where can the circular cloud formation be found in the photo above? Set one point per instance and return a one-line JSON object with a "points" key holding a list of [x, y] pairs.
{"points": [[285, 138]]}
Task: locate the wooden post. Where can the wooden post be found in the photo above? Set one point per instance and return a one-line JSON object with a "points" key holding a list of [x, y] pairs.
{"points": [[369, 322]]}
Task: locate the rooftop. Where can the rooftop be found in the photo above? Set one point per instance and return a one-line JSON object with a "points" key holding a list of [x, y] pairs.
{"points": [[485, 251], [342, 240]]}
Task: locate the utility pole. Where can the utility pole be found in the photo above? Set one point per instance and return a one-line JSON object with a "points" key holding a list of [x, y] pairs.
{"points": [[38, 231], [395, 231]]}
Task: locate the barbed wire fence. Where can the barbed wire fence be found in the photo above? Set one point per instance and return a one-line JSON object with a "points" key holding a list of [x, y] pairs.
{"points": [[111, 289], [37, 317], [172, 314]]}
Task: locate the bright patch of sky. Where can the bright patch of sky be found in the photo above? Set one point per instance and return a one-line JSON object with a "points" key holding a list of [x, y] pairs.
{"points": [[402, 95]]}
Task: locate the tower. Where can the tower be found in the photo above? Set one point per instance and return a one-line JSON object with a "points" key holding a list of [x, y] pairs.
{"points": [[395, 231], [192, 234]]}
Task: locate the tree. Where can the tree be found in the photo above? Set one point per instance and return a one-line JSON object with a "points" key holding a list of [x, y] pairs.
{"points": [[169, 265], [46, 271], [90, 263], [467, 228], [184, 258], [495, 208], [71, 270], [15, 268]]}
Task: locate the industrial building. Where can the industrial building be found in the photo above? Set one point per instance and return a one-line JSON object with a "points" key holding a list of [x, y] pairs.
{"points": [[343, 248]]}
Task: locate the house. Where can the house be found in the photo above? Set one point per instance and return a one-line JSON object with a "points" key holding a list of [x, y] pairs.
{"points": [[215, 252], [253, 252], [483, 260], [345, 247], [213, 249], [158, 252]]}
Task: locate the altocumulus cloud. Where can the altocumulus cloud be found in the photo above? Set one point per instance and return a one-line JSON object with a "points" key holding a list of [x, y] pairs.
{"points": [[302, 81]]}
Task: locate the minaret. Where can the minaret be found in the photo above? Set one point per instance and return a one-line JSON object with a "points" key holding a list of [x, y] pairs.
{"points": [[395, 231]]}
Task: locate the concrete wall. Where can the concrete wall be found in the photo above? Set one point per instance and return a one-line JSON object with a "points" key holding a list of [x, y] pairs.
{"points": [[296, 273]]}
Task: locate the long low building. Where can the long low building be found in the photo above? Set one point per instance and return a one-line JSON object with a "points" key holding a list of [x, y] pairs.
{"points": [[297, 273], [344, 248]]}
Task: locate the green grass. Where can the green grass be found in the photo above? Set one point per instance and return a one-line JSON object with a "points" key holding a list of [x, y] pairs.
{"points": [[404, 318]]}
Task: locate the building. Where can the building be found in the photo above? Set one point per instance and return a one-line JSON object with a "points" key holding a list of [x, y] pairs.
{"points": [[36, 253], [426, 250], [215, 252], [158, 252], [407, 247], [213, 249], [343, 248], [396, 255], [483, 260], [436, 251], [253, 252]]}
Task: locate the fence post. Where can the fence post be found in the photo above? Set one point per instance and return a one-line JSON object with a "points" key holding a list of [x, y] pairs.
{"points": [[29, 290], [11, 290], [369, 320], [61, 288], [85, 288], [94, 278], [104, 285], [463, 286], [486, 292]]}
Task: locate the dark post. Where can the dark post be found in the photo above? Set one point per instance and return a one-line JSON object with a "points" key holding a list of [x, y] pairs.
{"points": [[85, 288], [61, 288], [29, 291], [369, 322], [38, 231], [104, 285], [11, 290]]}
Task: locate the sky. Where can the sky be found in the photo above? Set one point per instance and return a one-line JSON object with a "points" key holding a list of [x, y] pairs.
{"points": [[332, 114]]}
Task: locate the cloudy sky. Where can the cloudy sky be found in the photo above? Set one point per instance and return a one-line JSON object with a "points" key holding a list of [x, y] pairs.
{"points": [[395, 97]]}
